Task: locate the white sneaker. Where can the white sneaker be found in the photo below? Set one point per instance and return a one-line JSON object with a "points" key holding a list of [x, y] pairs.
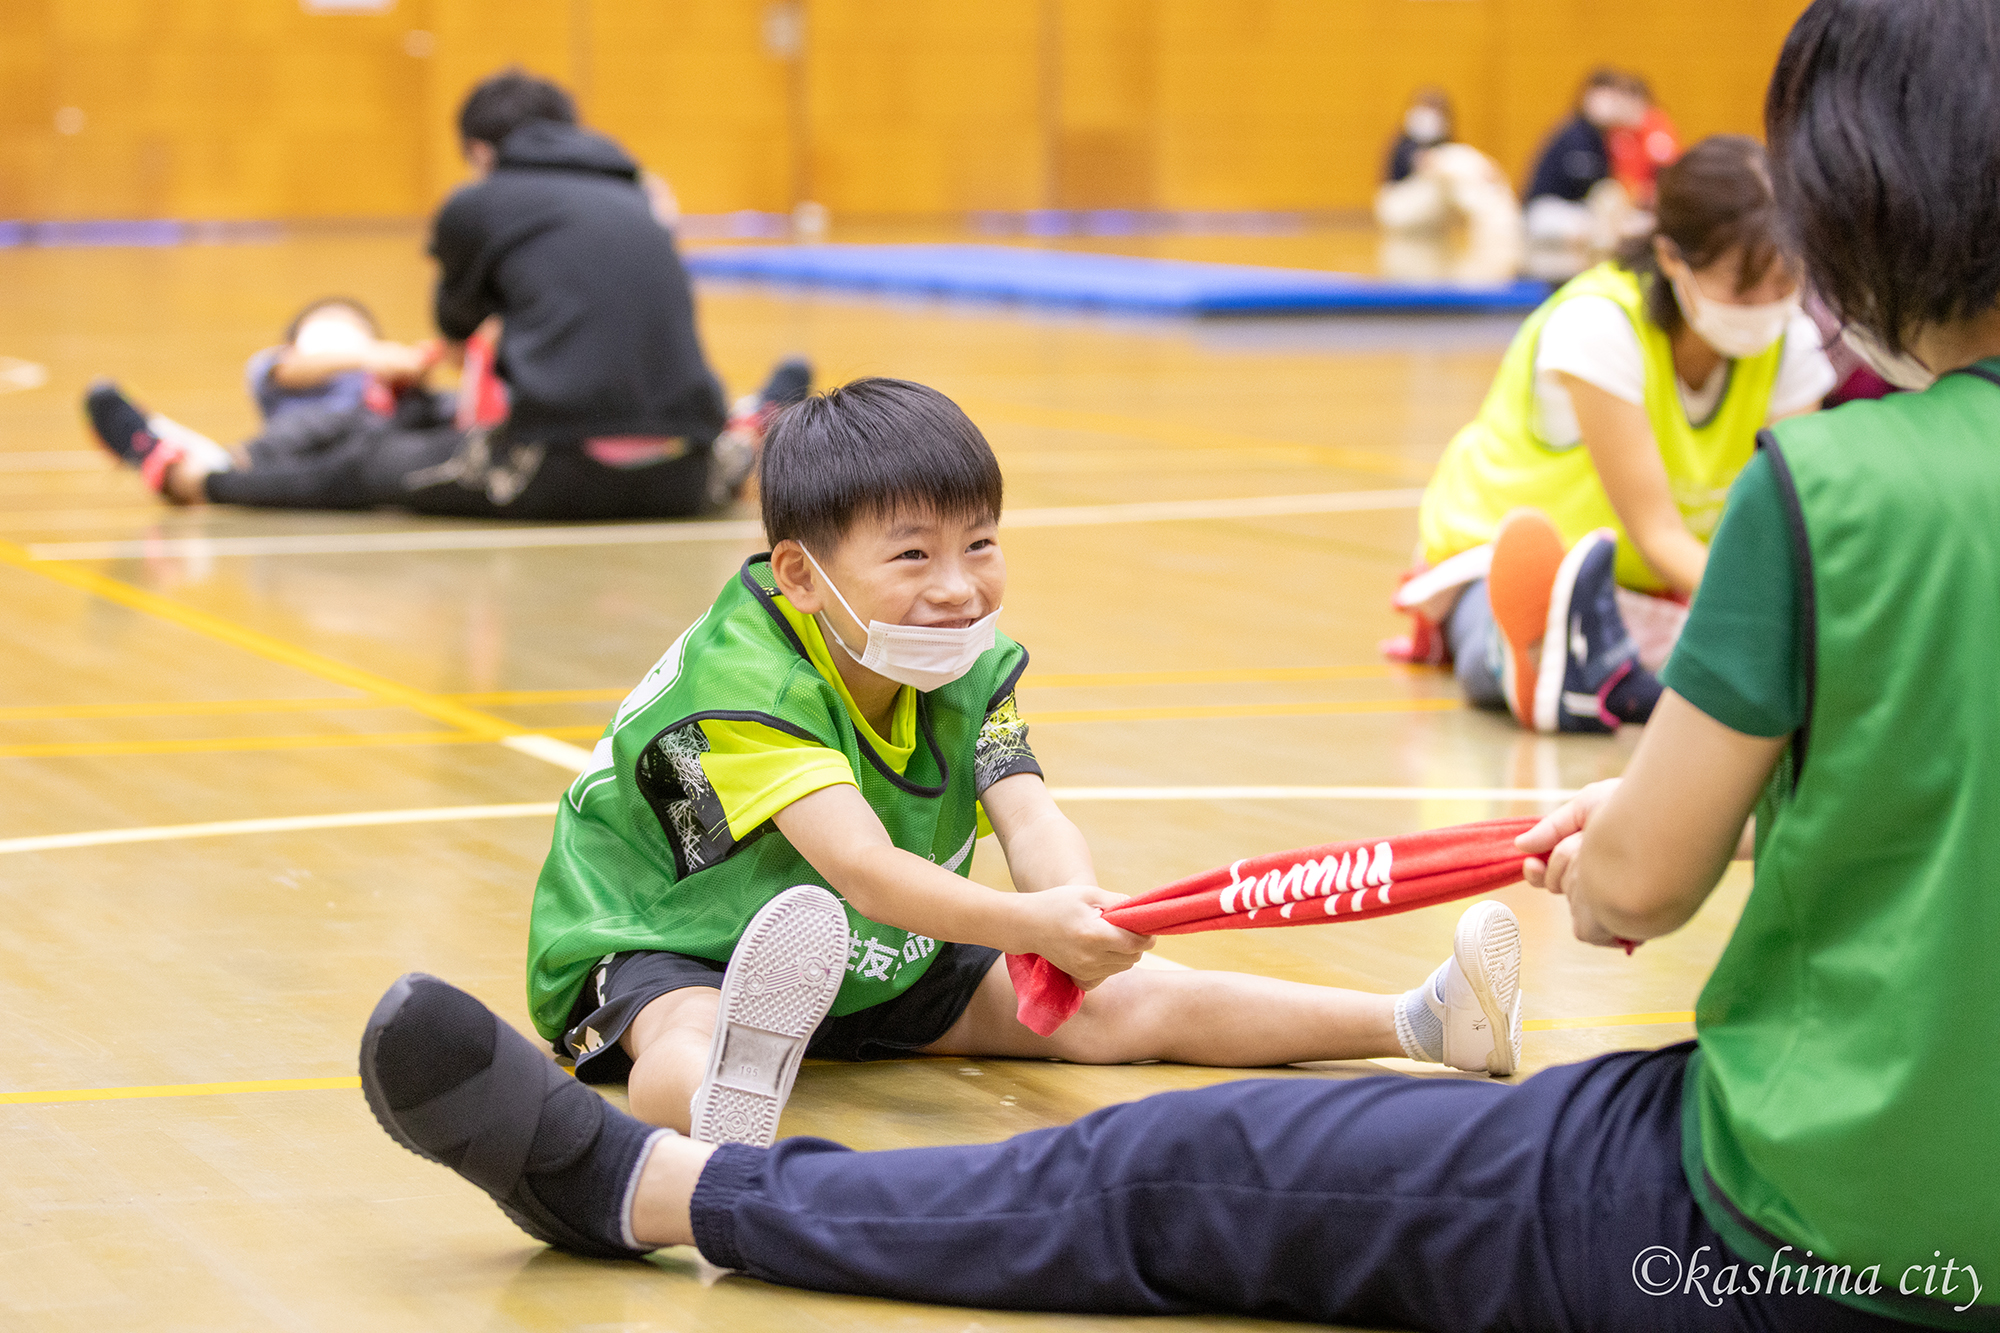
{"points": [[1481, 985], [782, 979]]}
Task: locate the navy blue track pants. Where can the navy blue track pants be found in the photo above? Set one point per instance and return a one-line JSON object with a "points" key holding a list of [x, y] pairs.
{"points": [[1418, 1203]]}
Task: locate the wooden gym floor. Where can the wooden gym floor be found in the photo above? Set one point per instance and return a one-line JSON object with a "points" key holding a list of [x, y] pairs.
{"points": [[185, 1143]]}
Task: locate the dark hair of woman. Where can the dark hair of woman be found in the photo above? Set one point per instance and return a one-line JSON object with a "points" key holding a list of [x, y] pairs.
{"points": [[1884, 122], [1715, 199]]}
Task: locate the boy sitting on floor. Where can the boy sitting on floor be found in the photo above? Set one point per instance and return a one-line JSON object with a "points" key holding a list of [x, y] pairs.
{"points": [[844, 715]]}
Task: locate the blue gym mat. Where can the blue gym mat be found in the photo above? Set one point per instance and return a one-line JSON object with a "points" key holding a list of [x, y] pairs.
{"points": [[1121, 282]]}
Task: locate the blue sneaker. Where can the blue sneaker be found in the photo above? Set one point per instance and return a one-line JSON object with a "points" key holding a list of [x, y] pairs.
{"points": [[1586, 650]]}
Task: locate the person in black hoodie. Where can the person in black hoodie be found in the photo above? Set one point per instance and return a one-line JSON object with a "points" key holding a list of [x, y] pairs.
{"points": [[612, 412]]}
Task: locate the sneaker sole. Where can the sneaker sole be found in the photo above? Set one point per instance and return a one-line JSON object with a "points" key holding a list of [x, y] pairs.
{"points": [[1527, 554], [1488, 949], [1547, 714], [781, 980]]}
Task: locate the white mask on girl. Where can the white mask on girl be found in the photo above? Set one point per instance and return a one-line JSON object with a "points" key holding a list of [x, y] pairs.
{"points": [[1899, 368], [1425, 125], [924, 657], [1735, 331]]}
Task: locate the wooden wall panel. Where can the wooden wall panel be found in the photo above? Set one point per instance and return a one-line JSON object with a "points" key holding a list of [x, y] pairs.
{"points": [[925, 106], [691, 88], [210, 109], [470, 40], [1292, 103], [254, 109], [1105, 103]]}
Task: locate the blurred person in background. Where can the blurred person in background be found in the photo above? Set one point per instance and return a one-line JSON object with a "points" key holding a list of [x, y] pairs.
{"points": [[1640, 149], [1573, 515], [1577, 211], [1432, 182]]}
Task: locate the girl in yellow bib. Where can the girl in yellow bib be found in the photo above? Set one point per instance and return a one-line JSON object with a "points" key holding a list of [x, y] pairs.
{"points": [[1622, 413]]}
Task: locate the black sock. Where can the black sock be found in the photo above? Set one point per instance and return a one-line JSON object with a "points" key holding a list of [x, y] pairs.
{"points": [[588, 1180], [1632, 698]]}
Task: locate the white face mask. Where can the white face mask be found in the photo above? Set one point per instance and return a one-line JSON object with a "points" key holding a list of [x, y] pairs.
{"points": [[924, 657], [1424, 124], [1734, 330], [1899, 368]]}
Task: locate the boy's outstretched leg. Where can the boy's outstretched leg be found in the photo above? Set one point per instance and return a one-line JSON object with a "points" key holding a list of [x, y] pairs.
{"points": [[722, 1063], [453, 1083], [1466, 1015]]}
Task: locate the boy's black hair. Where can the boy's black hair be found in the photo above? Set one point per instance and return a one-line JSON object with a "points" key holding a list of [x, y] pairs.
{"points": [[501, 103], [1884, 123], [328, 303], [872, 447], [1717, 197]]}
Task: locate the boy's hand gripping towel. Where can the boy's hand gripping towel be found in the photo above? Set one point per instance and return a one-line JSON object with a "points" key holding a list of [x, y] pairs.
{"points": [[1311, 886]]}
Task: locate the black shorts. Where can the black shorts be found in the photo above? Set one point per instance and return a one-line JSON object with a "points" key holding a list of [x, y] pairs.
{"points": [[624, 983]]}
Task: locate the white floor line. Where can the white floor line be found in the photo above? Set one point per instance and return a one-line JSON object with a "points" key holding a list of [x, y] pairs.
{"points": [[731, 530], [51, 842], [290, 824], [55, 460], [17, 375], [551, 751], [1311, 793], [1250, 506]]}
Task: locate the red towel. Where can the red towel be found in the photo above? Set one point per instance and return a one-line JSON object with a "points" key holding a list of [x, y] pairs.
{"points": [[482, 394], [1310, 886]]}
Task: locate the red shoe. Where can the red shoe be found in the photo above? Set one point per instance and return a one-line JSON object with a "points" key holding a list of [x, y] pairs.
{"points": [[1527, 553]]}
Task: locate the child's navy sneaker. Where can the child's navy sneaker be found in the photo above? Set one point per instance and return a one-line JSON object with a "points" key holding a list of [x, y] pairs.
{"points": [[1587, 650], [118, 424]]}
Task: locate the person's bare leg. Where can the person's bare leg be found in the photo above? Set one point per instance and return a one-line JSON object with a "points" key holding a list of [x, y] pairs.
{"points": [[1227, 1019], [183, 482], [666, 1188], [668, 1043]]}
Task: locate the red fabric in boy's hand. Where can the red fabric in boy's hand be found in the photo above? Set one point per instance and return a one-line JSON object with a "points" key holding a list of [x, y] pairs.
{"points": [[1310, 886]]}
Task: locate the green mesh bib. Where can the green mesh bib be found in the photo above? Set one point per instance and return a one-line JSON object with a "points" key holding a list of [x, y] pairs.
{"points": [[643, 856], [1844, 1097]]}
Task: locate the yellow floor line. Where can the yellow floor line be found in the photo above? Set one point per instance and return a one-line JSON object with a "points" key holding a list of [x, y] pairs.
{"points": [[344, 1084], [612, 694], [1054, 717], [340, 740], [1056, 680], [506, 698], [236, 744], [484, 725], [187, 708], [590, 731], [180, 1090], [1614, 1021]]}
